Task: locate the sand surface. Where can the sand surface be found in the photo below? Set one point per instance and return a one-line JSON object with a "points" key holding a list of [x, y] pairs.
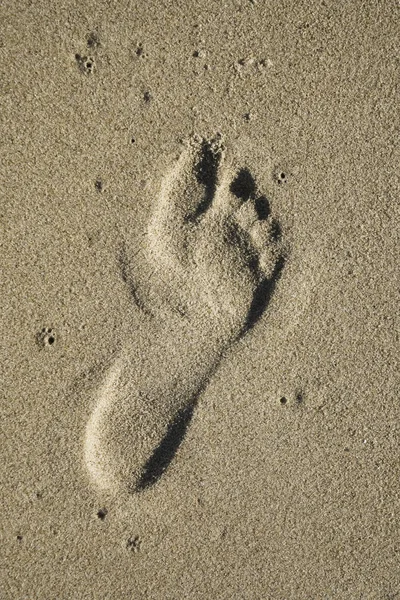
{"points": [[199, 239]]}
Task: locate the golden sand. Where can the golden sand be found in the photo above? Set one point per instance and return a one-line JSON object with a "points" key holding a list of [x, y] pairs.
{"points": [[199, 235]]}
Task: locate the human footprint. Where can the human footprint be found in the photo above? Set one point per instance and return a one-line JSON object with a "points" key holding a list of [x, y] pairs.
{"points": [[215, 254]]}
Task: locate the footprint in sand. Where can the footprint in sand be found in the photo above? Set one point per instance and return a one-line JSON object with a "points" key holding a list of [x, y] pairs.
{"points": [[214, 252]]}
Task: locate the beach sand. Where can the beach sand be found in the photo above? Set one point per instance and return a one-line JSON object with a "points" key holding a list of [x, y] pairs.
{"points": [[199, 292]]}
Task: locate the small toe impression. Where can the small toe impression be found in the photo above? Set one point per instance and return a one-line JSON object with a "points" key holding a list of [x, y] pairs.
{"points": [[262, 207], [246, 216], [276, 231], [261, 232], [265, 232], [268, 261], [244, 185], [251, 207]]}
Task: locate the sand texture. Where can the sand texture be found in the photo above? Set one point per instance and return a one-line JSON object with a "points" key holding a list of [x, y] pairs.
{"points": [[199, 300]]}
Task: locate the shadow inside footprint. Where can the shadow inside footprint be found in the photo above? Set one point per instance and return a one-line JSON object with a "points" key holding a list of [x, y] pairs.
{"points": [[167, 448], [244, 185], [262, 208], [262, 296]]}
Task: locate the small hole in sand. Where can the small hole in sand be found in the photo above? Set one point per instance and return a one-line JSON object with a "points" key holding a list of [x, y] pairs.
{"points": [[133, 140], [19, 538], [283, 400], [93, 40], [45, 337], [276, 231], [85, 63], [134, 544], [102, 513]]}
